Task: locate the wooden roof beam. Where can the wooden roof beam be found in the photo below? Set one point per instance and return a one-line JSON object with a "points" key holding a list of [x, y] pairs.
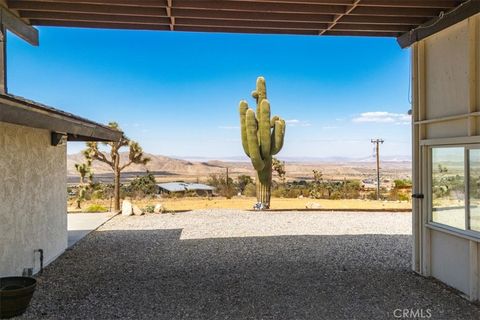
{"points": [[388, 11], [131, 3], [102, 25], [169, 15], [251, 24], [338, 17], [259, 6], [88, 17], [444, 4], [361, 33], [246, 30], [233, 6], [252, 16], [380, 3], [86, 8], [388, 3], [18, 27]]}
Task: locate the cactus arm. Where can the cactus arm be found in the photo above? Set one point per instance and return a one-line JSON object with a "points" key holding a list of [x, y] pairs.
{"points": [[253, 147], [243, 126], [261, 92], [272, 122], [264, 128], [278, 136]]}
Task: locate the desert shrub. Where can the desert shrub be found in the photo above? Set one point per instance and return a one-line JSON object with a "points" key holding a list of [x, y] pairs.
{"points": [[250, 190], [224, 187], [336, 195], [142, 186], [97, 195], [372, 195], [296, 192], [191, 193], [96, 208], [149, 209], [324, 189], [279, 192], [403, 197], [402, 183], [401, 193], [242, 182], [101, 191]]}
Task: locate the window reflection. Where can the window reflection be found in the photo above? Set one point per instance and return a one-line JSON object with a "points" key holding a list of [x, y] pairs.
{"points": [[448, 187], [474, 189]]}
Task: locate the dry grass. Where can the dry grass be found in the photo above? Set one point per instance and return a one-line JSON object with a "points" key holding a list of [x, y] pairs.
{"points": [[246, 203]]}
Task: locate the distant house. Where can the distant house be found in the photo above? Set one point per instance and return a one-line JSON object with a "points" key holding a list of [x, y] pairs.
{"points": [[183, 187]]}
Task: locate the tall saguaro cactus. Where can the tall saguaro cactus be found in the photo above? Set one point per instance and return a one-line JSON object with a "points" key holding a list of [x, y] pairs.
{"points": [[262, 138]]}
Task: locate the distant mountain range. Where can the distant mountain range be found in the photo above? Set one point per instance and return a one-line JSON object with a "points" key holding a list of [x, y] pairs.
{"points": [[396, 158], [199, 168], [157, 163]]}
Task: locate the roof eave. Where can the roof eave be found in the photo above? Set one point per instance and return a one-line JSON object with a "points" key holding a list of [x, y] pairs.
{"points": [[435, 25], [18, 111]]}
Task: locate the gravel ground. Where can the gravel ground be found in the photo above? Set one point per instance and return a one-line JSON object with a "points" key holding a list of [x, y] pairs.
{"points": [[244, 265]]}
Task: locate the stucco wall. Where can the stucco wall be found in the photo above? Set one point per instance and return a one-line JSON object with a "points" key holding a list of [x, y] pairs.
{"points": [[32, 198]]}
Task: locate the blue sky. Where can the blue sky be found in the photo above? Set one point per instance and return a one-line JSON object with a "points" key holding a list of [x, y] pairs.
{"points": [[178, 93]]}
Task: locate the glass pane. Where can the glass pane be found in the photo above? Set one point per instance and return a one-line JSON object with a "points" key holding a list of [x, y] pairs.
{"points": [[474, 186], [448, 187]]}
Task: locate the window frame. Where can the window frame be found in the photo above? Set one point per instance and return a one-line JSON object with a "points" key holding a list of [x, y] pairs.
{"points": [[468, 233]]}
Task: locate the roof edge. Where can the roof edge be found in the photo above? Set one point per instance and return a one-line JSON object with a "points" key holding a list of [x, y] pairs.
{"points": [[20, 111], [464, 11]]}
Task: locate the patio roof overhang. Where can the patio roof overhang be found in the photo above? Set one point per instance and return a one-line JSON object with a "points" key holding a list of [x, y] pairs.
{"points": [[24, 112], [384, 18]]}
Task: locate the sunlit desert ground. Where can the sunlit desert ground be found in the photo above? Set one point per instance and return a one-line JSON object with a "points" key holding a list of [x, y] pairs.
{"points": [[246, 203]]}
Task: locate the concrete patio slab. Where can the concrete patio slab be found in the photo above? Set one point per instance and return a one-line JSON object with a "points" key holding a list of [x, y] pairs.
{"points": [[81, 224]]}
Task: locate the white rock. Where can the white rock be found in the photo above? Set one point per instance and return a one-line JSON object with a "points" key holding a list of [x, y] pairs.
{"points": [[313, 205], [159, 208], [127, 209], [137, 211]]}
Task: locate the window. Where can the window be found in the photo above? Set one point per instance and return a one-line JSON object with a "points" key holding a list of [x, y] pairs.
{"points": [[448, 186], [474, 189]]}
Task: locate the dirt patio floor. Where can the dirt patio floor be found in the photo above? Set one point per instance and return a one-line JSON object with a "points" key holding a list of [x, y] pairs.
{"points": [[228, 264]]}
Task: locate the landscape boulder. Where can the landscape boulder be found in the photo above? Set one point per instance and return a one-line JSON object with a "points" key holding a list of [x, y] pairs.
{"points": [[313, 205], [127, 209], [137, 211], [159, 208]]}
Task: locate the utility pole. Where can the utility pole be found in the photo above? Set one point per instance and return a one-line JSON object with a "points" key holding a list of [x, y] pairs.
{"points": [[376, 143], [227, 176]]}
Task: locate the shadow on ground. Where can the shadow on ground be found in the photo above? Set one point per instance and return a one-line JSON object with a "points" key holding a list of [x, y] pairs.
{"points": [[155, 275]]}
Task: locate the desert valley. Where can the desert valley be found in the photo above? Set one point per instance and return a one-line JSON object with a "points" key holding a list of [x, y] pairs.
{"points": [[168, 169]]}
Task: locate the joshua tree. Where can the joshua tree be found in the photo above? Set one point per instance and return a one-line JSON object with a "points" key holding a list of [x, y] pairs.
{"points": [[85, 171], [262, 138], [279, 168], [113, 160]]}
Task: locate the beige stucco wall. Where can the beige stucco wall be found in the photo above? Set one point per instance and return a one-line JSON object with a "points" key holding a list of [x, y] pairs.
{"points": [[32, 198], [447, 68]]}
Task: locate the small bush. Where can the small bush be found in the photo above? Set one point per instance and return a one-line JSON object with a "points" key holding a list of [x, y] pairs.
{"points": [[96, 208], [404, 197], [402, 183], [372, 195], [149, 209], [279, 192], [250, 190]]}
